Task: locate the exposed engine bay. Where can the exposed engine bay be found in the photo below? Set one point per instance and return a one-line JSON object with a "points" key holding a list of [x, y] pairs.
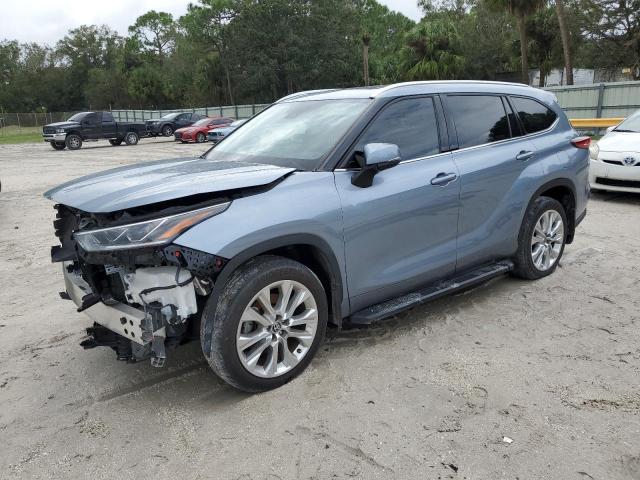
{"points": [[144, 300]]}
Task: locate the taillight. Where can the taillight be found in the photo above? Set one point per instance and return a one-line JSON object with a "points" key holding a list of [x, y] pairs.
{"points": [[581, 142]]}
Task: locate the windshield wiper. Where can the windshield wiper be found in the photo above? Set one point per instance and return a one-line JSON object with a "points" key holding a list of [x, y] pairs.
{"points": [[625, 130]]}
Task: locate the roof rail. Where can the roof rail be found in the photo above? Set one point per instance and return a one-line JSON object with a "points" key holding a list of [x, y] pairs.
{"points": [[306, 93], [435, 82]]}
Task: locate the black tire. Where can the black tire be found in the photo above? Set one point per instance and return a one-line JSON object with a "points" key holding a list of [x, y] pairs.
{"points": [[131, 138], [201, 138], [523, 260], [221, 318], [167, 130], [73, 141], [115, 142], [58, 146]]}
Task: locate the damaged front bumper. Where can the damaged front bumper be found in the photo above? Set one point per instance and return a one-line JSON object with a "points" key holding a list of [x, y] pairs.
{"points": [[142, 301], [118, 317]]}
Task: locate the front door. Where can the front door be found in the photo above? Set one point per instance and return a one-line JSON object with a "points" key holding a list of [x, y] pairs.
{"points": [[400, 233]]}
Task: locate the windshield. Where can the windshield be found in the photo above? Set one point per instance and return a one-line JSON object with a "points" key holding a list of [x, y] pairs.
{"points": [[169, 116], [78, 116], [291, 134], [631, 124], [237, 123]]}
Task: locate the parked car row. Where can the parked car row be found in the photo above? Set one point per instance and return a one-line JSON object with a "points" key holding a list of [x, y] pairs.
{"points": [[93, 126]]}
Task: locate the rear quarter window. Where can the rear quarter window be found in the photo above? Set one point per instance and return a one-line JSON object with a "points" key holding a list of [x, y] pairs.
{"points": [[534, 116]]}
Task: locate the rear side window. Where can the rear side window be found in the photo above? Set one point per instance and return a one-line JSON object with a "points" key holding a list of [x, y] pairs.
{"points": [[410, 123], [535, 117], [479, 119]]}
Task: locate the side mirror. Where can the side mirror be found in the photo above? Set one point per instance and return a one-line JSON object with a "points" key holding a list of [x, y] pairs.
{"points": [[377, 157], [610, 129]]}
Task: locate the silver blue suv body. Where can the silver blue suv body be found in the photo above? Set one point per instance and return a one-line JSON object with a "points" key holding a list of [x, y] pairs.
{"points": [[330, 208]]}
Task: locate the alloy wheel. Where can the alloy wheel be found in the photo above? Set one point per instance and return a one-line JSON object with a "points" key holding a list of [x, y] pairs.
{"points": [[547, 240], [277, 329]]}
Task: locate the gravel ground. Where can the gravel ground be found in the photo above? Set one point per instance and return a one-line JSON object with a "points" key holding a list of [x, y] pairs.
{"points": [[553, 365]]}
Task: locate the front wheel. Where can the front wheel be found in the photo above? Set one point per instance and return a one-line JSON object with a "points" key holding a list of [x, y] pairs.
{"points": [[131, 138], [58, 146], [267, 324], [73, 141], [167, 131], [200, 138], [542, 239]]}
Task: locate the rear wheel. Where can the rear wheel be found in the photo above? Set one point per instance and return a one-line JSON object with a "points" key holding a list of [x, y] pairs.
{"points": [[131, 138], [115, 142], [542, 239], [58, 146], [167, 131], [73, 141], [200, 138], [266, 325]]}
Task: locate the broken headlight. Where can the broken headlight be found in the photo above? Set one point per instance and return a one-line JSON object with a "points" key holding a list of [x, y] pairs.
{"points": [[158, 231]]}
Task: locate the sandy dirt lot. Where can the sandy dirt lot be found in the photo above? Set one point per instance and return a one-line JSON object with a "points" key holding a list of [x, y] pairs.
{"points": [[553, 365]]}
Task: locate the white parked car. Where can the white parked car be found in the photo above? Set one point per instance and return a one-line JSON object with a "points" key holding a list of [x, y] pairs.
{"points": [[615, 158]]}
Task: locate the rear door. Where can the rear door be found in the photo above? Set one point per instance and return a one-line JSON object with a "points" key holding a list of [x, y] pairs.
{"points": [[400, 233], [108, 125], [496, 163]]}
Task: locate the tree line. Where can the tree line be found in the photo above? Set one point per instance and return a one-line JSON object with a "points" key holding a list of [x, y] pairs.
{"points": [[255, 51]]}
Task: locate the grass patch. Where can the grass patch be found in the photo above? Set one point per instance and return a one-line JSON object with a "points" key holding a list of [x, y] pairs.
{"points": [[12, 134]]}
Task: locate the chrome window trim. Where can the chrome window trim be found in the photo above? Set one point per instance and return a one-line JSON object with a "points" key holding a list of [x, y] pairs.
{"points": [[409, 160], [528, 135]]}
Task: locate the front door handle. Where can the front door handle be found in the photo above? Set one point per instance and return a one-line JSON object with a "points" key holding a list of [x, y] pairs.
{"points": [[524, 155], [443, 179]]}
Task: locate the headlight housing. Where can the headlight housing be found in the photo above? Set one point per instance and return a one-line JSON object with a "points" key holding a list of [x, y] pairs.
{"points": [[594, 150], [59, 130], [158, 231]]}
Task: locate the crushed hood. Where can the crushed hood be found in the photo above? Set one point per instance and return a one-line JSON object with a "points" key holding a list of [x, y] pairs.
{"points": [[153, 182], [620, 142]]}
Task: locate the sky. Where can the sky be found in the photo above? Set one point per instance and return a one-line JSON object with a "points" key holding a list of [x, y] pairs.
{"points": [[47, 21]]}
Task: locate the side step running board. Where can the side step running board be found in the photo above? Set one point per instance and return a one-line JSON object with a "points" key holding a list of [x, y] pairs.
{"points": [[394, 306]]}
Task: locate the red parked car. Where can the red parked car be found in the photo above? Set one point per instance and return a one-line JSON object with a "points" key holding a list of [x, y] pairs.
{"points": [[198, 131]]}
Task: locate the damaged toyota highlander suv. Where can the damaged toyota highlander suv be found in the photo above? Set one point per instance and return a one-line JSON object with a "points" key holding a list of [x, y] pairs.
{"points": [[330, 208]]}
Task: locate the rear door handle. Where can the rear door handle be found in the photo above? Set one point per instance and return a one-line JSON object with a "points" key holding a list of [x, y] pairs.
{"points": [[443, 179], [524, 155]]}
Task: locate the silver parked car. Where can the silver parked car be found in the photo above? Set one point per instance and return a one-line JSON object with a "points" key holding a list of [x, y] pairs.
{"points": [[328, 209], [216, 135]]}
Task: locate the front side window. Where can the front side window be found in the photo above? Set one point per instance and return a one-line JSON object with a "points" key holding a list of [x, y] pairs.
{"points": [[107, 117], [479, 119], [410, 124], [534, 116], [184, 116], [297, 134]]}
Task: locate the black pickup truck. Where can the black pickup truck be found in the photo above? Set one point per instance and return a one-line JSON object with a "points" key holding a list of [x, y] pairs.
{"points": [[91, 126]]}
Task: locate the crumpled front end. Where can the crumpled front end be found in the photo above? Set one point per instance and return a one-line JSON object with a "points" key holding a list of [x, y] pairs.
{"points": [[142, 301]]}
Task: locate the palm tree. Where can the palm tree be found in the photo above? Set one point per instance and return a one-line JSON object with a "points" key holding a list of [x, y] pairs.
{"points": [[433, 51], [566, 40], [521, 9]]}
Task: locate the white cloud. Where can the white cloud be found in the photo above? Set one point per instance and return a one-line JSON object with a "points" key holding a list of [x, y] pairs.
{"points": [[47, 21]]}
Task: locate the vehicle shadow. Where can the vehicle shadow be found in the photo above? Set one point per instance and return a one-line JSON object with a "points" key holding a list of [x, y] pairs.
{"points": [[617, 197], [187, 378]]}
